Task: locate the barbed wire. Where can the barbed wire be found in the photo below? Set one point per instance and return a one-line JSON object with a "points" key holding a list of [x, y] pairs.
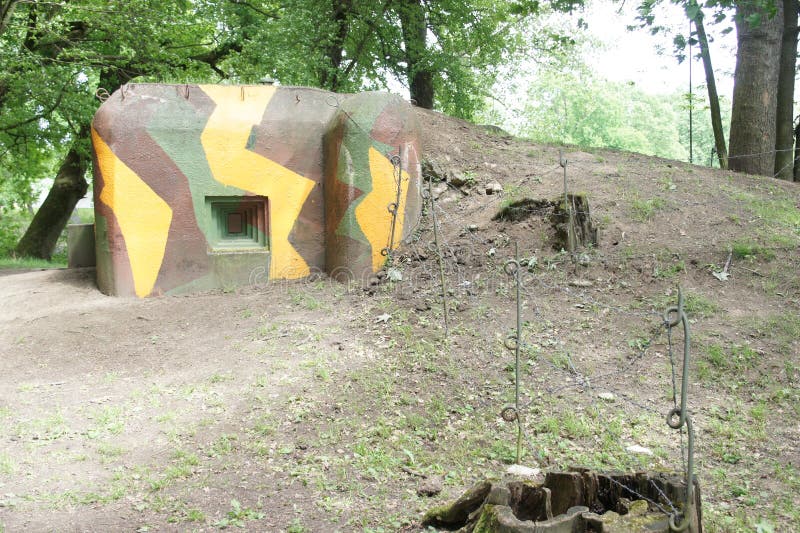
{"points": [[579, 380], [757, 154]]}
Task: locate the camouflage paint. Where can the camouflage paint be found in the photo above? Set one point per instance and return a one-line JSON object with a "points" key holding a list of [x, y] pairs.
{"points": [[360, 181], [178, 168]]}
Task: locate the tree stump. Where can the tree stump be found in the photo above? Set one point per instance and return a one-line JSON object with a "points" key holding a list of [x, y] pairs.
{"points": [[570, 502], [571, 224]]}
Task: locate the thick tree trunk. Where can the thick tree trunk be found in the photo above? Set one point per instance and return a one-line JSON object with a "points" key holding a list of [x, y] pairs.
{"points": [[69, 187], [415, 33], [784, 132], [713, 97], [752, 140], [329, 76]]}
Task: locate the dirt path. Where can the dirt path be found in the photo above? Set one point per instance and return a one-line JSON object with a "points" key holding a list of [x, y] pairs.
{"points": [[106, 401]]}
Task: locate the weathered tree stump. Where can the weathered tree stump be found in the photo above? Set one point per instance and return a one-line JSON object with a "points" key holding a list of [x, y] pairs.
{"points": [[571, 224], [570, 502]]}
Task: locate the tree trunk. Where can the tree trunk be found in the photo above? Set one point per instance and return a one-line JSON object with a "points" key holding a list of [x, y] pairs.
{"points": [[752, 139], [796, 172], [415, 33], [69, 187], [713, 97], [784, 132], [329, 76], [6, 10]]}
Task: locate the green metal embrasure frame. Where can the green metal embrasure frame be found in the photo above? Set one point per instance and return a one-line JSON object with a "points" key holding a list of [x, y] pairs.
{"points": [[238, 223]]}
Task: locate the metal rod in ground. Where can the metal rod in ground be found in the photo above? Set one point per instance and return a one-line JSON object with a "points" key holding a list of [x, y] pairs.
{"points": [[397, 163], [516, 354], [568, 208], [679, 417], [440, 259]]}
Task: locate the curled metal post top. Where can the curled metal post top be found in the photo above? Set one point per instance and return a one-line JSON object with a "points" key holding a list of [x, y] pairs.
{"points": [[680, 318], [509, 413], [511, 267], [511, 342], [679, 416], [102, 94], [671, 418], [677, 311], [332, 101]]}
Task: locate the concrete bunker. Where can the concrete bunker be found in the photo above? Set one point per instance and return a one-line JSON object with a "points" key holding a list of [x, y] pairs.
{"points": [[208, 186]]}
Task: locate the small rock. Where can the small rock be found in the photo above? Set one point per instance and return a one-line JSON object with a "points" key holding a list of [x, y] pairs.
{"points": [[494, 188], [431, 169], [523, 471], [459, 180], [374, 281], [394, 274], [607, 396], [422, 306], [635, 448], [472, 227], [430, 486]]}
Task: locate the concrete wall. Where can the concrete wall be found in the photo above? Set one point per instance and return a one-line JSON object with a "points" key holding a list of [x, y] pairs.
{"points": [[209, 186]]}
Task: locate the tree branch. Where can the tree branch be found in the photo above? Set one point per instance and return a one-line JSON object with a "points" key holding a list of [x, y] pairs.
{"points": [[274, 15], [360, 46], [6, 10], [36, 117]]}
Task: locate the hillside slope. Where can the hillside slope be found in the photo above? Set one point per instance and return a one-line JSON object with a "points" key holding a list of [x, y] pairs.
{"points": [[315, 406], [662, 224]]}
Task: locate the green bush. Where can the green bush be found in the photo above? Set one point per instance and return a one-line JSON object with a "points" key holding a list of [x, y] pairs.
{"points": [[12, 225]]}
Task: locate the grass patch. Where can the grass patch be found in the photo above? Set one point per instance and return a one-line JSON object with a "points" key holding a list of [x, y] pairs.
{"points": [[238, 515], [670, 271], [13, 224], [303, 299], [222, 446], [30, 263], [695, 305], [107, 421], [110, 451], [783, 329], [50, 427], [729, 362], [644, 210], [750, 250]]}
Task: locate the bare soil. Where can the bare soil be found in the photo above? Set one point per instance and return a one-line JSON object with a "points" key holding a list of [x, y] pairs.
{"points": [[316, 406]]}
